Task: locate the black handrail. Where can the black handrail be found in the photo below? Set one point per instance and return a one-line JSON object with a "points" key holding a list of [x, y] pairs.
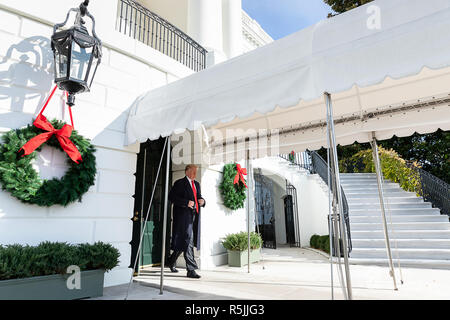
{"points": [[320, 167], [433, 189], [138, 22]]}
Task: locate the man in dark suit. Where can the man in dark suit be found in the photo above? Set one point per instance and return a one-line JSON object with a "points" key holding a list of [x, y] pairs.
{"points": [[187, 202]]}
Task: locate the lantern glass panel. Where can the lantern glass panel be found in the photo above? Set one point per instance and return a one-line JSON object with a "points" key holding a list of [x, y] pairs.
{"points": [[93, 71], [61, 62], [80, 62]]}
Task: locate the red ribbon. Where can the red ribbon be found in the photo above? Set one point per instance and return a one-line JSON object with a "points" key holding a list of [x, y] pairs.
{"points": [[240, 174], [63, 136]]}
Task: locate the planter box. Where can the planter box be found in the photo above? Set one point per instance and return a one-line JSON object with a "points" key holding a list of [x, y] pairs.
{"points": [[240, 258], [53, 287]]}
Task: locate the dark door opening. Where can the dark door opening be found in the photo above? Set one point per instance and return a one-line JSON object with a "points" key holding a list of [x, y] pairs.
{"points": [[291, 216], [148, 162], [265, 210]]}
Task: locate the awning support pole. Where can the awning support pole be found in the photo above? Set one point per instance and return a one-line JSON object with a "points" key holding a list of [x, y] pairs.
{"points": [[338, 190], [166, 206], [146, 218], [376, 160], [248, 208], [334, 213], [330, 218], [142, 209]]}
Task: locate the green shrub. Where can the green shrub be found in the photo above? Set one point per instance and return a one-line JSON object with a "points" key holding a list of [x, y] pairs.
{"points": [[394, 168], [17, 261], [314, 241], [239, 241], [320, 243], [324, 243]]}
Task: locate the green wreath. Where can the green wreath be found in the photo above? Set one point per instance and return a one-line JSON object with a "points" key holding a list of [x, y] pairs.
{"points": [[18, 177], [233, 195]]}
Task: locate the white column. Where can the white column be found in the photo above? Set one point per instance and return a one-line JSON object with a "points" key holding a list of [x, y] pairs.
{"points": [[232, 27], [205, 23]]}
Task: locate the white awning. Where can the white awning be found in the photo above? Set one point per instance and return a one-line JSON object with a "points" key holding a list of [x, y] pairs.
{"points": [[386, 65]]}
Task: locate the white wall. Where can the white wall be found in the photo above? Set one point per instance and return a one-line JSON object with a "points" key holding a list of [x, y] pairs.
{"points": [[174, 11], [311, 196], [128, 69]]}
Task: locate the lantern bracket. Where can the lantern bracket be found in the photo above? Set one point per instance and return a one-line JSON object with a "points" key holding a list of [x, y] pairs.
{"points": [[81, 12]]}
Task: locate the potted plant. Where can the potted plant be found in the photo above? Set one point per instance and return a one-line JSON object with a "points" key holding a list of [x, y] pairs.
{"points": [[55, 271], [237, 247]]}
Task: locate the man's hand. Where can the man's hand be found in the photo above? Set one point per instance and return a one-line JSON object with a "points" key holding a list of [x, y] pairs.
{"points": [[201, 202], [191, 204]]}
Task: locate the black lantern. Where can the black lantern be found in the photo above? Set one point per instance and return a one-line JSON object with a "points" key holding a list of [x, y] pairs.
{"points": [[77, 54]]}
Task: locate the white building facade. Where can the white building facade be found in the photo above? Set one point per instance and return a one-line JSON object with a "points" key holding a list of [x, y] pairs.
{"points": [[131, 66]]}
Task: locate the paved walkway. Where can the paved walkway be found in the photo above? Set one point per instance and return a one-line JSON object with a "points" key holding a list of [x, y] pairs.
{"points": [[286, 273]]}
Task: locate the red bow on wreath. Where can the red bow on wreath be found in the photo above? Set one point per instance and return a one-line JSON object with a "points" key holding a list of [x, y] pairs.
{"points": [[63, 136], [240, 174]]}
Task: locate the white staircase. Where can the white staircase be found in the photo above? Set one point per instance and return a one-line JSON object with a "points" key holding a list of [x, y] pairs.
{"points": [[419, 234]]}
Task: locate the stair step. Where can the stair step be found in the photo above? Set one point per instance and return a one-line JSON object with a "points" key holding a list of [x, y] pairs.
{"points": [[400, 234], [372, 189], [374, 194], [402, 243], [412, 263], [398, 205], [414, 253], [369, 184], [388, 199], [394, 212], [399, 218], [402, 226]]}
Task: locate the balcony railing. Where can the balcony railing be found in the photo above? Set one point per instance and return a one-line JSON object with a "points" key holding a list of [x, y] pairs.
{"points": [[137, 22]]}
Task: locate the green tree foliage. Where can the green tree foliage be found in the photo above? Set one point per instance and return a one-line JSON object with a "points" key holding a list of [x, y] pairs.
{"points": [[341, 6], [430, 151], [394, 168]]}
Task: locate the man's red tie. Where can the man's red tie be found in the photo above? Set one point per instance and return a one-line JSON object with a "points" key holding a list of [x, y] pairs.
{"points": [[195, 195]]}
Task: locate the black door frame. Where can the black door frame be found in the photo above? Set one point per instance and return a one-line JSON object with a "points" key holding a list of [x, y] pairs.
{"points": [[152, 158]]}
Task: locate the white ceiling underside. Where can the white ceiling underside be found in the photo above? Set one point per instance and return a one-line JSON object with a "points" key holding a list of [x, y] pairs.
{"points": [[394, 80]]}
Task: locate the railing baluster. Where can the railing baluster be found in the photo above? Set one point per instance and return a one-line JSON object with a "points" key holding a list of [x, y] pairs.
{"points": [[121, 16], [153, 32], [126, 19], [159, 34]]}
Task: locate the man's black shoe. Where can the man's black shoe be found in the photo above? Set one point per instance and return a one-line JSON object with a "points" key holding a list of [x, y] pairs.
{"points": [[173, 269], [193, 274]]}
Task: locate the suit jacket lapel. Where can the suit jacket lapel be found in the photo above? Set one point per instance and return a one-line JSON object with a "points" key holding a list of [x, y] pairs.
{"points": [[188, 185]]}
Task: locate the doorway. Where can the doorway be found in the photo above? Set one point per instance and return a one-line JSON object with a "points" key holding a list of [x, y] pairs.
{"points": [[265, 211], [148, 162], [291, 216]]}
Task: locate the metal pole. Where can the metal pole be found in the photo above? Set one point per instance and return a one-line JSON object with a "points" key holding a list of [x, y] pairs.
{"points": [[145, 222], [376, 160], [142, 209], [334, 213], [330, 226], [166, 205], [248, 208], [339, 193]]}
